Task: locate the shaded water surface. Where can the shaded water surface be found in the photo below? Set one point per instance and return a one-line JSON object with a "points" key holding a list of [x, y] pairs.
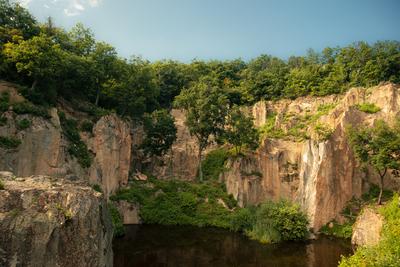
{"points": [[159, 246]]}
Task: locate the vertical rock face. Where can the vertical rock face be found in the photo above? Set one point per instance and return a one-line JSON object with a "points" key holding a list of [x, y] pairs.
{"points": [[367, 228], [321, 175], [53, 222], [111, 145], [44, 149]]}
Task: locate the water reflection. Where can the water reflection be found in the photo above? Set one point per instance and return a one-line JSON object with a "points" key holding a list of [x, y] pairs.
{"points": [[162, 246]]}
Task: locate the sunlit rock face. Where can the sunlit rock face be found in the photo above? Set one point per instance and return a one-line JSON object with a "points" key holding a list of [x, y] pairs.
{"points": [[44, 147], [320, 175], [48, 221], [367, 228]]}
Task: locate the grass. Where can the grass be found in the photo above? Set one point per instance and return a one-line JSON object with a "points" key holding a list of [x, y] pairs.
{"points": [[9, 142], [387, 251], [28, 108], [116, 219], [77, 147], [339, 230], [323, 131], [370, 108]]}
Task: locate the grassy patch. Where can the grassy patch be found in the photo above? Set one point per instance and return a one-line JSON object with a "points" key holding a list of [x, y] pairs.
{"points": [[370, 108], [23, 124], [116, 219], [77, 147], [213, 164], [339, 230], [323, 131], [9, 142], [387, 251]]}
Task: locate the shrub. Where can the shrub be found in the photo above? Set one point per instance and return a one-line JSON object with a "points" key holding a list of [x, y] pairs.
{"points": [[1, 185], [116, 219], [323, 131], [28, 108], [97, 187], [23, 124], [4, 101], [9, 142], [370, 108], [87, 126], [213, 164], [3, 121], [387, 251], [279, 221], [77, 147]]}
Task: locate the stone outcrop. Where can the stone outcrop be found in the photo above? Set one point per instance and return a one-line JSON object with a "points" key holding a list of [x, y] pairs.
{"points": [[367, 228], [111, 145], [53, 222], [129, 212]]}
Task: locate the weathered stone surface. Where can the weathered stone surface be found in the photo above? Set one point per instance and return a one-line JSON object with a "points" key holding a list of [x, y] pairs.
{"points": [[53, 222], [129, 212], [367, 228], [320, 175], [111, 145]]}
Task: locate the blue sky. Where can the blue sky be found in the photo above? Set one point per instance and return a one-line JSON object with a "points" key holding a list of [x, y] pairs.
{"points": [[225, 29]]}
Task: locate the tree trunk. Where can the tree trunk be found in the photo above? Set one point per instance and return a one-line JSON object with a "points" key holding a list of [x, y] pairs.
{"points": [[97, 97], [34, 85], [200, 167], [382, 176]]}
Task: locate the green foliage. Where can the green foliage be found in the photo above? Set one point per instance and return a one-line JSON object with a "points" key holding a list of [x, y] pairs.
{"points": [[97, 187], [4, 101], [370, 108], [23, 124], [77, 147], [9, 142], [87, 126], [387, 251], [339, 230], [213, 164], [116, 219], [28, 108], [1, 185], [160, 133], [3, 120], [278, 221], [378, 146], [323, 131], [240, 130]]}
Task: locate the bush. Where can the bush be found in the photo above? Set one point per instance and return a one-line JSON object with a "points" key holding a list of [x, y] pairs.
{"points": [[28, 108], [4, 101], [213, 164], [323, 131], [9, 142], [97, 187], [116, 219], [87, 126], [3, 121], [370, 108], [77, 147], [1, 185], [279, 221], [387, 251], [23, 124]]}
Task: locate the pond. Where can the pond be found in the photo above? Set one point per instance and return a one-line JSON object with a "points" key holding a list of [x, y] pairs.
{"points": [[175, 246]]}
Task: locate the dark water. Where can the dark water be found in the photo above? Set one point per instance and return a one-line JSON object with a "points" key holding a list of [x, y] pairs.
{"points": [[159, 246]]}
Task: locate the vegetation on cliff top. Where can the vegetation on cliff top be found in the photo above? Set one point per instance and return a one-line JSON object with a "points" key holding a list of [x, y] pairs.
{"points": [[387, 251]]}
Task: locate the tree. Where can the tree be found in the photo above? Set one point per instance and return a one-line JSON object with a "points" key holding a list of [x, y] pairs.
{"points": [[160, 130], [206, 109], [39, 58], [240, 130], [379, 147]]}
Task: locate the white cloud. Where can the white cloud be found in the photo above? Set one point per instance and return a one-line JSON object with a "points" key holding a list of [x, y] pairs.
{"points": [[94, 3], [46, 6]]}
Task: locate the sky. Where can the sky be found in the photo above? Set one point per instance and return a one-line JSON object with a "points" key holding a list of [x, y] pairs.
{"points": [[225, 29]]}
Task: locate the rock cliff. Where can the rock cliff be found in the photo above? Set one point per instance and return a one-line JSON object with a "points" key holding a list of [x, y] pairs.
{"points": [[44, 147], [53, 222], [367, 228]]}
